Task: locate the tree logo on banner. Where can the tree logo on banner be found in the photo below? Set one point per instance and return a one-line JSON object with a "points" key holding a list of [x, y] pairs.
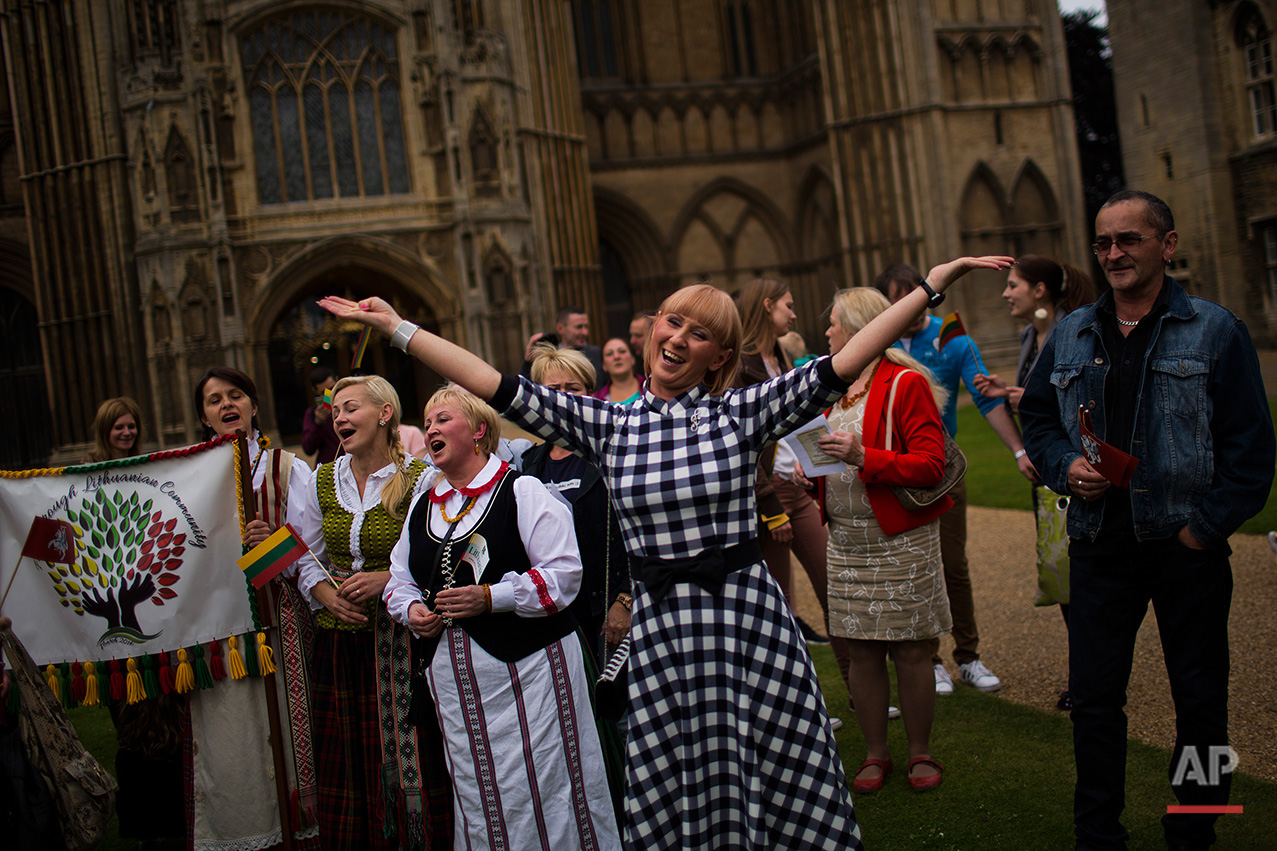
{"points": [[127, 555]]}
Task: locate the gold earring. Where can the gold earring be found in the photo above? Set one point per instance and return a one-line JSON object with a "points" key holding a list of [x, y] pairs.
{"points": [[476, 447]]}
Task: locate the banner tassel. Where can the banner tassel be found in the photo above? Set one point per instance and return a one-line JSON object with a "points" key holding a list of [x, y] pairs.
{"points": [[150, 683], [91, 685], [133, 683], [216, 665], [265, 655], [77, 683], [55, 682], [116, 691], [64, 674], [168, 679], [185, 680], [236, 662], [250, 655], [203, 678]]}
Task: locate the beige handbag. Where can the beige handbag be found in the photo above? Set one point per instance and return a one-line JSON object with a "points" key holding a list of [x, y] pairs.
{"points": [[955, 463]]}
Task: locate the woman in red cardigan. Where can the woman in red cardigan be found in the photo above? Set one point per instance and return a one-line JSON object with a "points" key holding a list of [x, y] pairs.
{"points": [[886, 584]]}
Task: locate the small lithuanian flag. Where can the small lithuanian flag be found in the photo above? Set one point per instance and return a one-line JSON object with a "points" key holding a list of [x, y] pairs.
{"points": [[361, 347], [950, 328], [268, 559]]}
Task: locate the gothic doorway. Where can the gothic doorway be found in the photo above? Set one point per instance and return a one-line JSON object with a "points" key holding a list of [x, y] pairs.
{"points": [[304, 336], [24, 398]]}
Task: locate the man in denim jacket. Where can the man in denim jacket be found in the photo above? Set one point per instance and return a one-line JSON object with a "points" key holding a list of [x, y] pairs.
{"points": [[1173, 380]]}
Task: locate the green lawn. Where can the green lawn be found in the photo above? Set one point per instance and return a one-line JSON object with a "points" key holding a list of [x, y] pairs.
{"points": [[1009, 782], [994, 481]]}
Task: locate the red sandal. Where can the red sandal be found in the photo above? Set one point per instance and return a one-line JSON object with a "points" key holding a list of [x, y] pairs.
{"points": [[931, 781], [872, 784]]}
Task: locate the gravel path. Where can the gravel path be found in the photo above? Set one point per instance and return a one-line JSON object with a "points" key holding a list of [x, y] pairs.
{"points": [[1026, 646]]}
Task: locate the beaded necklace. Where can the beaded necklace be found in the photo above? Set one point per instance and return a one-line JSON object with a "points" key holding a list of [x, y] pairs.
{"points": [[472, 495], [847, 401]]}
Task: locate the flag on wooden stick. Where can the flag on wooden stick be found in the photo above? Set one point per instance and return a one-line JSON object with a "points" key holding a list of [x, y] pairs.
{"points": [[50, 540], [272, 556]]}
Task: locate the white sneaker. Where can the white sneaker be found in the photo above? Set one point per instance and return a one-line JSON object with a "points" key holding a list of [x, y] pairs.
{"points": [[835, 724], [976, 674], [944, 682], [893, 712]]}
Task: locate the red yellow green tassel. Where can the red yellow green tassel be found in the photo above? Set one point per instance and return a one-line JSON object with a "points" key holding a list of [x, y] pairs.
{"points": [[150, 683], [203, 677], [265, 656], [236, 661], [216, 666], [55, 682], [77, 683], [116, 681], [91, 697], [185, 680], [133, 684], [168, 678]]}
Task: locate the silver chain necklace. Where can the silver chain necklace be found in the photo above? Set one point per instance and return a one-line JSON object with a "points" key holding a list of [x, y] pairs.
{"points": [[1129, 323]]}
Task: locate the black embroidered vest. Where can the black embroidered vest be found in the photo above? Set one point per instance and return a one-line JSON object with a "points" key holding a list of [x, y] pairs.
{"points": [[505, 635]]}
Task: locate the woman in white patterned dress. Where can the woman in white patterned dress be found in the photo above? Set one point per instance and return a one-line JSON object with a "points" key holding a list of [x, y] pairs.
{"points": [[886, 584], [730, 744]]}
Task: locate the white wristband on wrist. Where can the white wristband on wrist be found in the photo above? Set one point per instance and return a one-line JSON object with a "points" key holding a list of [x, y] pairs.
{"points": [[403, 335], [1020, 453]]}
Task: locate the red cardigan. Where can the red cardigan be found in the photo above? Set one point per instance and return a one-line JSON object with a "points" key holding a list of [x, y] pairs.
{"points": [[917, 455]]}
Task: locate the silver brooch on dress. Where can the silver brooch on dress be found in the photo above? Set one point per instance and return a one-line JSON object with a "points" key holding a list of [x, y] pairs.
{"points": [[698, 419]]}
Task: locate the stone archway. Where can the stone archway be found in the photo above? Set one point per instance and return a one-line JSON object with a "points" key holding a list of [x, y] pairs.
{"points": [[290, 334], [24, 397]]}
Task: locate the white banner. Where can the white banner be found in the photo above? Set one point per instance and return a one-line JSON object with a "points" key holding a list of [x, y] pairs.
{"points": [[155, 550]]}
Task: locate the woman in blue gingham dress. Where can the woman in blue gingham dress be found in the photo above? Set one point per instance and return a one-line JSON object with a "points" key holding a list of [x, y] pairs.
{"points": [[730, 744]]}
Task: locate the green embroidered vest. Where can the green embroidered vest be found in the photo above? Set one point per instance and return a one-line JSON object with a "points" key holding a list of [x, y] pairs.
{"points": [[377, 537]]}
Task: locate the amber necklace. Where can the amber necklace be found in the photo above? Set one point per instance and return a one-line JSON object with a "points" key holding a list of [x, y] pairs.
{"points": [[847, 401]]}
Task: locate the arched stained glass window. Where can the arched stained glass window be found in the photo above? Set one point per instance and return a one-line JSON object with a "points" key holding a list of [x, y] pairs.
{"points": [[323, 93]]}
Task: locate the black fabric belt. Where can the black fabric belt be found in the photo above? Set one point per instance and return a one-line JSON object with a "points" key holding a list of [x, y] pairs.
{"points": [[708, 569]]}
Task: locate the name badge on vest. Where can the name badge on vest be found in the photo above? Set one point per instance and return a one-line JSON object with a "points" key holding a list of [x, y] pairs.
{"points": [[476, 556]]}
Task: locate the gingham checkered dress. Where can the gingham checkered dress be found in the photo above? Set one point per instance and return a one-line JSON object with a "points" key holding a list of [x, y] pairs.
{"points": [[730, 744]]}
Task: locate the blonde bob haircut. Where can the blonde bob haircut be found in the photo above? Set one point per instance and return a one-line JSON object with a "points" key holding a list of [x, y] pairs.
{"points": [[379, 392], [477, 412], [108, 412], [856, 307], [572, 361], [713, 309]]}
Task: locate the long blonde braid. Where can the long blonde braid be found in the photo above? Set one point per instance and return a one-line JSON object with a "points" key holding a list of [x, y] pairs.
{"points": [[380, 391]]}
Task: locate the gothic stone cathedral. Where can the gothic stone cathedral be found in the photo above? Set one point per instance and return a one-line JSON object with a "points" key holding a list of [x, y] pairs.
{"points": [[180, 179]]}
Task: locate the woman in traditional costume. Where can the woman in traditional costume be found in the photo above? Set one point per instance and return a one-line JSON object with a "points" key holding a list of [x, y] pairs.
{"points": [[484, 573], [234, 801], [730, 744], [380, 785]]}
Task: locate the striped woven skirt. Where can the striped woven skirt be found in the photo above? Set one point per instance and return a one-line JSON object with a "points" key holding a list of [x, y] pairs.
{"points": [[348, 749], [730, 744], [522, 747]]}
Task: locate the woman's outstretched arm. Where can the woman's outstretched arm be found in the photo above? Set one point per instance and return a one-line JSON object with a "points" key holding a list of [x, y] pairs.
{"points": [[448, 359], [886, 328]]}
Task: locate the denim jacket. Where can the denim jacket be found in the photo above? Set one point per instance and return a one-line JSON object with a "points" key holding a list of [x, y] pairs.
{"points": [[1203, 434]]}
